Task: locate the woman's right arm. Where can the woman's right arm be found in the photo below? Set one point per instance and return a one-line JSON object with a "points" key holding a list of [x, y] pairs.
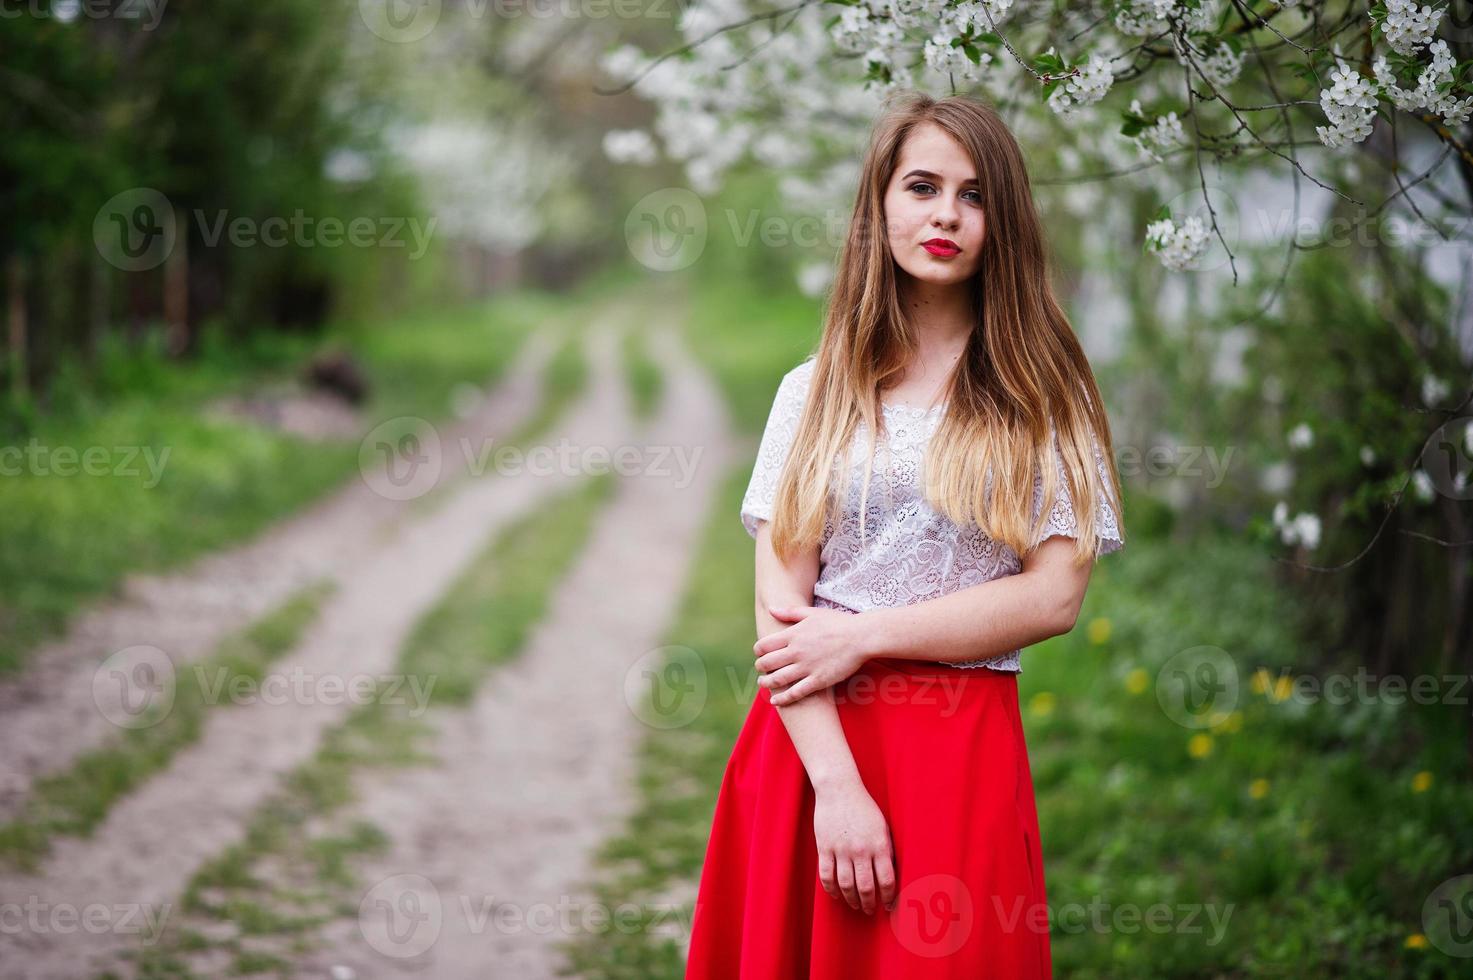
{"points": [[855, 856]]}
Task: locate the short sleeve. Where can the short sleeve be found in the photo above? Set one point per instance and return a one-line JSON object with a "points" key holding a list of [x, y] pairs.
{"points": [[1063, 519], [777, 440]]}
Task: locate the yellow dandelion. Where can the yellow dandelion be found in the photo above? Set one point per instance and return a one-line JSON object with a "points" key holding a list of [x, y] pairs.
{"points": [[1098, 630], [1137, 681], [1416, 941], [1422, 782], [1260, 680], [1258, 789], [1199, 745], [1042, 703]]}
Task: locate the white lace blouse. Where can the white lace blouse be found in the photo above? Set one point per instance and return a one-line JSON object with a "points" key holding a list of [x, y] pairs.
{"points": [[911, 552]]}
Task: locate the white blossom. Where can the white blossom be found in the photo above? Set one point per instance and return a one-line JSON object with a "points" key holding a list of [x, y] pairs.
{"points": [[1367, 456], [1165, 133], [1434, 390], [814, 278], [944, 59], [1085, 88], [1301, 436], [629, 146], [1222, 66], [1408, 26], [1421, 486], [1350, 106], [1303, 529], [624, 62], [1177, 246]]}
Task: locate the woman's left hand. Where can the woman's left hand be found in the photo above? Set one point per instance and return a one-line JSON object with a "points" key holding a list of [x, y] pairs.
{"points": [[820, 649]]}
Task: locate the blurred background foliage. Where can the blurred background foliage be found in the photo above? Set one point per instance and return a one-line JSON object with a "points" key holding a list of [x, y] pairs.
{"points": [[265, 109]]}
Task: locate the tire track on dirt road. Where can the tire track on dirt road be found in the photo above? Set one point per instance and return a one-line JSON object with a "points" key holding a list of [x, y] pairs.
{"points": [[50, 713], [541, 768], [152, 841]]}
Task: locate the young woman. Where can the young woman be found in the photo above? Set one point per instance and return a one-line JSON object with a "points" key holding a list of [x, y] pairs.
{"points": [[876, 819]]}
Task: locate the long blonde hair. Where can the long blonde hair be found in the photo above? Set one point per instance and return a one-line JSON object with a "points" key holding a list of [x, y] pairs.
{"points": [[1021, 370]]}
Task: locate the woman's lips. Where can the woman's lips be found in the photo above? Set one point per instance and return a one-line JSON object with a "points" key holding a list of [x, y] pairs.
{"points": [[940, 246]]}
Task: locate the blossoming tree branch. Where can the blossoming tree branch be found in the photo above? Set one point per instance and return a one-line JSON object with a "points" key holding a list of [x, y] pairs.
{"points": [[1201, 80]]}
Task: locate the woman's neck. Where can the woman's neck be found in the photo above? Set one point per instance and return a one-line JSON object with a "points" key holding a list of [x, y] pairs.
{"points": [[942, 317]]}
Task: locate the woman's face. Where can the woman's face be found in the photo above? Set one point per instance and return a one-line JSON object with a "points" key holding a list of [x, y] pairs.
{"points": [[933, 196]]}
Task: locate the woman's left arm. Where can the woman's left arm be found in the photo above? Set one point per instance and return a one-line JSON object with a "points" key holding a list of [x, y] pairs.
{"points": [[990, 618], [981, 621]]}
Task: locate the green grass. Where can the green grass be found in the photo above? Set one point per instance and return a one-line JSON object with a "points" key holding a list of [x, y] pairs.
{"points": [[484, 619], [644, 380], [663, 843], [1323, 866], [75, 800], [748, 343], [564, 378]]}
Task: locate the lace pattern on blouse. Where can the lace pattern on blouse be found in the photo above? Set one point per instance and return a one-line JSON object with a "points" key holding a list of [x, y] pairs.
{"points": [[909, 552]]}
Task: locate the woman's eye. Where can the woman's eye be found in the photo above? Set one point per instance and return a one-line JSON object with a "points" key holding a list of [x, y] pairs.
{"points": [[922, 184]]}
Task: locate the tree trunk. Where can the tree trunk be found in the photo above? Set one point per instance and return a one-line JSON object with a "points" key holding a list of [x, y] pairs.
{"points": [[176, 289], [15, 319]]}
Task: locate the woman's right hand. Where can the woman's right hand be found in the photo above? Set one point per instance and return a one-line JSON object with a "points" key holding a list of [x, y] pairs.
{"points": [[856, 861]]}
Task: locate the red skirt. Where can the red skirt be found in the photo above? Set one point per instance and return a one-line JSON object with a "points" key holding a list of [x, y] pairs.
{"points": [[941, 750]]}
